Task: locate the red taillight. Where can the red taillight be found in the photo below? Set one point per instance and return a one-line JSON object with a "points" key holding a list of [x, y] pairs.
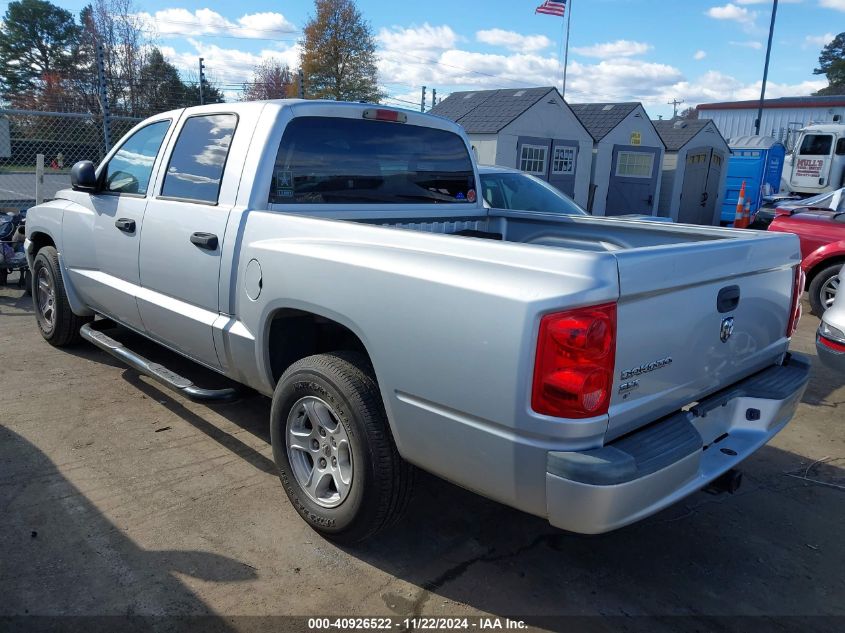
{"points": [[835, 346], [573, 371], [798, 279], [382, 114]]}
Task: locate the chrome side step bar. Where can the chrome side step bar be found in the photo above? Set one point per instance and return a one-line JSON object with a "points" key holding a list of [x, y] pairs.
{"points": [[156, 371]]}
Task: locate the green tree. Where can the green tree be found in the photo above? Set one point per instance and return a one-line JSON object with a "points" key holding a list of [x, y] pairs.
{"points": [[339, 54], [38, 44], [832, 65], [159, 85]]}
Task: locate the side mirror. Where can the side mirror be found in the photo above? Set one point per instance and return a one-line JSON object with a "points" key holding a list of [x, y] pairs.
{"points": [[83, 176]]}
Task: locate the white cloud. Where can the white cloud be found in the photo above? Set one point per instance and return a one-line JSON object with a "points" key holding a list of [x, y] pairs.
{"points": [[422, 39], [839, 5], [749, 44], [227, 65], [699, 55], [732, 12], [619, 48], [818, 41], [181, 22], [513, 41]]}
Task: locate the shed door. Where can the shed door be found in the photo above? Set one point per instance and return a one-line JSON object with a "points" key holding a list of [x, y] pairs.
{"points": [[633, 180], [702, 175], [694, 195], [562, 166], [714, 180]]}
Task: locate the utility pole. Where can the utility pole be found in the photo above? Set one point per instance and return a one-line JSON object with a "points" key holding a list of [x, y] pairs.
{"points": [[422, 100], [104, 95], [433, 97], [675, 103], [202, 80], [766, 68]]}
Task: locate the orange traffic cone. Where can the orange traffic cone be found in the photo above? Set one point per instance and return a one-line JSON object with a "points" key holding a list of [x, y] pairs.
{"points": [[746, 218], [740, 208]]}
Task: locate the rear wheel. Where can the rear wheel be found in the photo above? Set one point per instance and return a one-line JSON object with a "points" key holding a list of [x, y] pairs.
{"points": [[332, 445], [58, 324], [824, 287]]}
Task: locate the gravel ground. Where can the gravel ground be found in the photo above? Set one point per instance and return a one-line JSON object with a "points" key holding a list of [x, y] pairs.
{"points": [[119, 498]]}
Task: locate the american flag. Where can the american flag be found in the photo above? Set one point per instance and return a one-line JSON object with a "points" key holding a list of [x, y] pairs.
{"points": [[552, 7]]}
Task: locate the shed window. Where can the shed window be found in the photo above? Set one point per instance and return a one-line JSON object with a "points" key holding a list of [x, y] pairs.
{"points": [[564, 160], [816, 145], [533, 159], [635, 164]]}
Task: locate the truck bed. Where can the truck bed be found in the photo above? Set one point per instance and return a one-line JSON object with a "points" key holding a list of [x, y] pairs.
{"points": [[555, 230], [669, 279]]}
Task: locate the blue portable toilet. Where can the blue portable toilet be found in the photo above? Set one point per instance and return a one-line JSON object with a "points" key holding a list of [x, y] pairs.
{"points": [[757, 160]]}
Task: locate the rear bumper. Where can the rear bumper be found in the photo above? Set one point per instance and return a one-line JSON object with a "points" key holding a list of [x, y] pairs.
{"points": [[830, 354], [596, 491]]}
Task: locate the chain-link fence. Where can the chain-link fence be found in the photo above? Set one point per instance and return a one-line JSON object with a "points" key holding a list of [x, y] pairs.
{"points": [[62, 139]]}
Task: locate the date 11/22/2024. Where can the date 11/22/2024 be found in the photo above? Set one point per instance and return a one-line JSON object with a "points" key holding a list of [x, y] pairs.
{"points": [[417, 623]]}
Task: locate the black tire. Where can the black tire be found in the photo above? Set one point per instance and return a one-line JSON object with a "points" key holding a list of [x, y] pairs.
{"points": [[382, 481], [63, 327], [4, 275], [817, 287]]}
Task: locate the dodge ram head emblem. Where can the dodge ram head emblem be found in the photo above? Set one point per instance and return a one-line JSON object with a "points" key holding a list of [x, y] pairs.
{"points": [[727, 329]]}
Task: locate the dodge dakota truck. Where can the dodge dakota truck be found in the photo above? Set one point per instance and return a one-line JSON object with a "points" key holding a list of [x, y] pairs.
{"points": [[338, 258]]}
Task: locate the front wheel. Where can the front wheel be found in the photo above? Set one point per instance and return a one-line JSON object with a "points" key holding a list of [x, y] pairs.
{"points": [[823, 288], [56, 321], [334, 450]]}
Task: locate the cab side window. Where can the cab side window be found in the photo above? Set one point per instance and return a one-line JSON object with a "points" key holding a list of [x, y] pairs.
{"points": [[129, 170], [199, 157]]}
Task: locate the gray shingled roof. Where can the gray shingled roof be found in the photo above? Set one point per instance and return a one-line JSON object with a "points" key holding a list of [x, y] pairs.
{"points": [[488, 111], [676, 133], [601, 118]]}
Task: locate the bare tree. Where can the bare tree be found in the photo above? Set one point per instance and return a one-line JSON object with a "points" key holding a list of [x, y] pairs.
{"points": [[126, 45], [270, 80], [688, 113]]}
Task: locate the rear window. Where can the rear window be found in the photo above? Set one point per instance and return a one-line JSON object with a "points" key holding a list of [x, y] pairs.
{"points": [[323, 160], [816, 145]]}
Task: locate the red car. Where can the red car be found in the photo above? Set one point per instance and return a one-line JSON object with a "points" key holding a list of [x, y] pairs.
{"points": [[822, 235]]}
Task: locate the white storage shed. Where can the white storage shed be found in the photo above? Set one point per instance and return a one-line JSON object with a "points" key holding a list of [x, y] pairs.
{"points": [[694, 171], [628, 154], [532, 129]]}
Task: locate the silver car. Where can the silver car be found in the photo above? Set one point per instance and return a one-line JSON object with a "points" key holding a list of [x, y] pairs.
{"points": [[830, 340], [508, 188]]}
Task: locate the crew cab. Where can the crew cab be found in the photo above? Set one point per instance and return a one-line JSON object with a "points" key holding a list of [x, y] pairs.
{"points": [[822, 235], [338, 258]]}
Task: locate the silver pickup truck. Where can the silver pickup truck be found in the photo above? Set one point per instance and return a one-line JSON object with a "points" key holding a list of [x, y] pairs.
{"points": [[338, 258]]}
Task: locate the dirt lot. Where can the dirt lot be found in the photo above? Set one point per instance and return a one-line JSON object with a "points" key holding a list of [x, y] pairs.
{"points": [[117, 497]]}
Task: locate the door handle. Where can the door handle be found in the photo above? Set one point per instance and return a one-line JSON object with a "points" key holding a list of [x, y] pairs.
{"points": [[208, 241], [126, 225]]}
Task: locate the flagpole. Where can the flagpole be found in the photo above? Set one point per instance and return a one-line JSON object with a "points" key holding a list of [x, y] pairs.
{"points": [[566, 54]]}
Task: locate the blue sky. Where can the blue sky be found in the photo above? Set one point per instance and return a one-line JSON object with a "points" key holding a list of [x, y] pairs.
{"points": [[645, 50]]}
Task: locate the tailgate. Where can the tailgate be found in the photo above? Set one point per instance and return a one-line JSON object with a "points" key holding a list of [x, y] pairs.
{"points": [[669, 346]]}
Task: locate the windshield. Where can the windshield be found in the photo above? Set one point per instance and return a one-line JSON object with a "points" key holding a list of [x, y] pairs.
{"points": [[821, 200], [523, 192]]}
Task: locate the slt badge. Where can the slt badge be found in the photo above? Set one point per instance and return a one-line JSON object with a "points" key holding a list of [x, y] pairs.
{"points": [[727, 329]]}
